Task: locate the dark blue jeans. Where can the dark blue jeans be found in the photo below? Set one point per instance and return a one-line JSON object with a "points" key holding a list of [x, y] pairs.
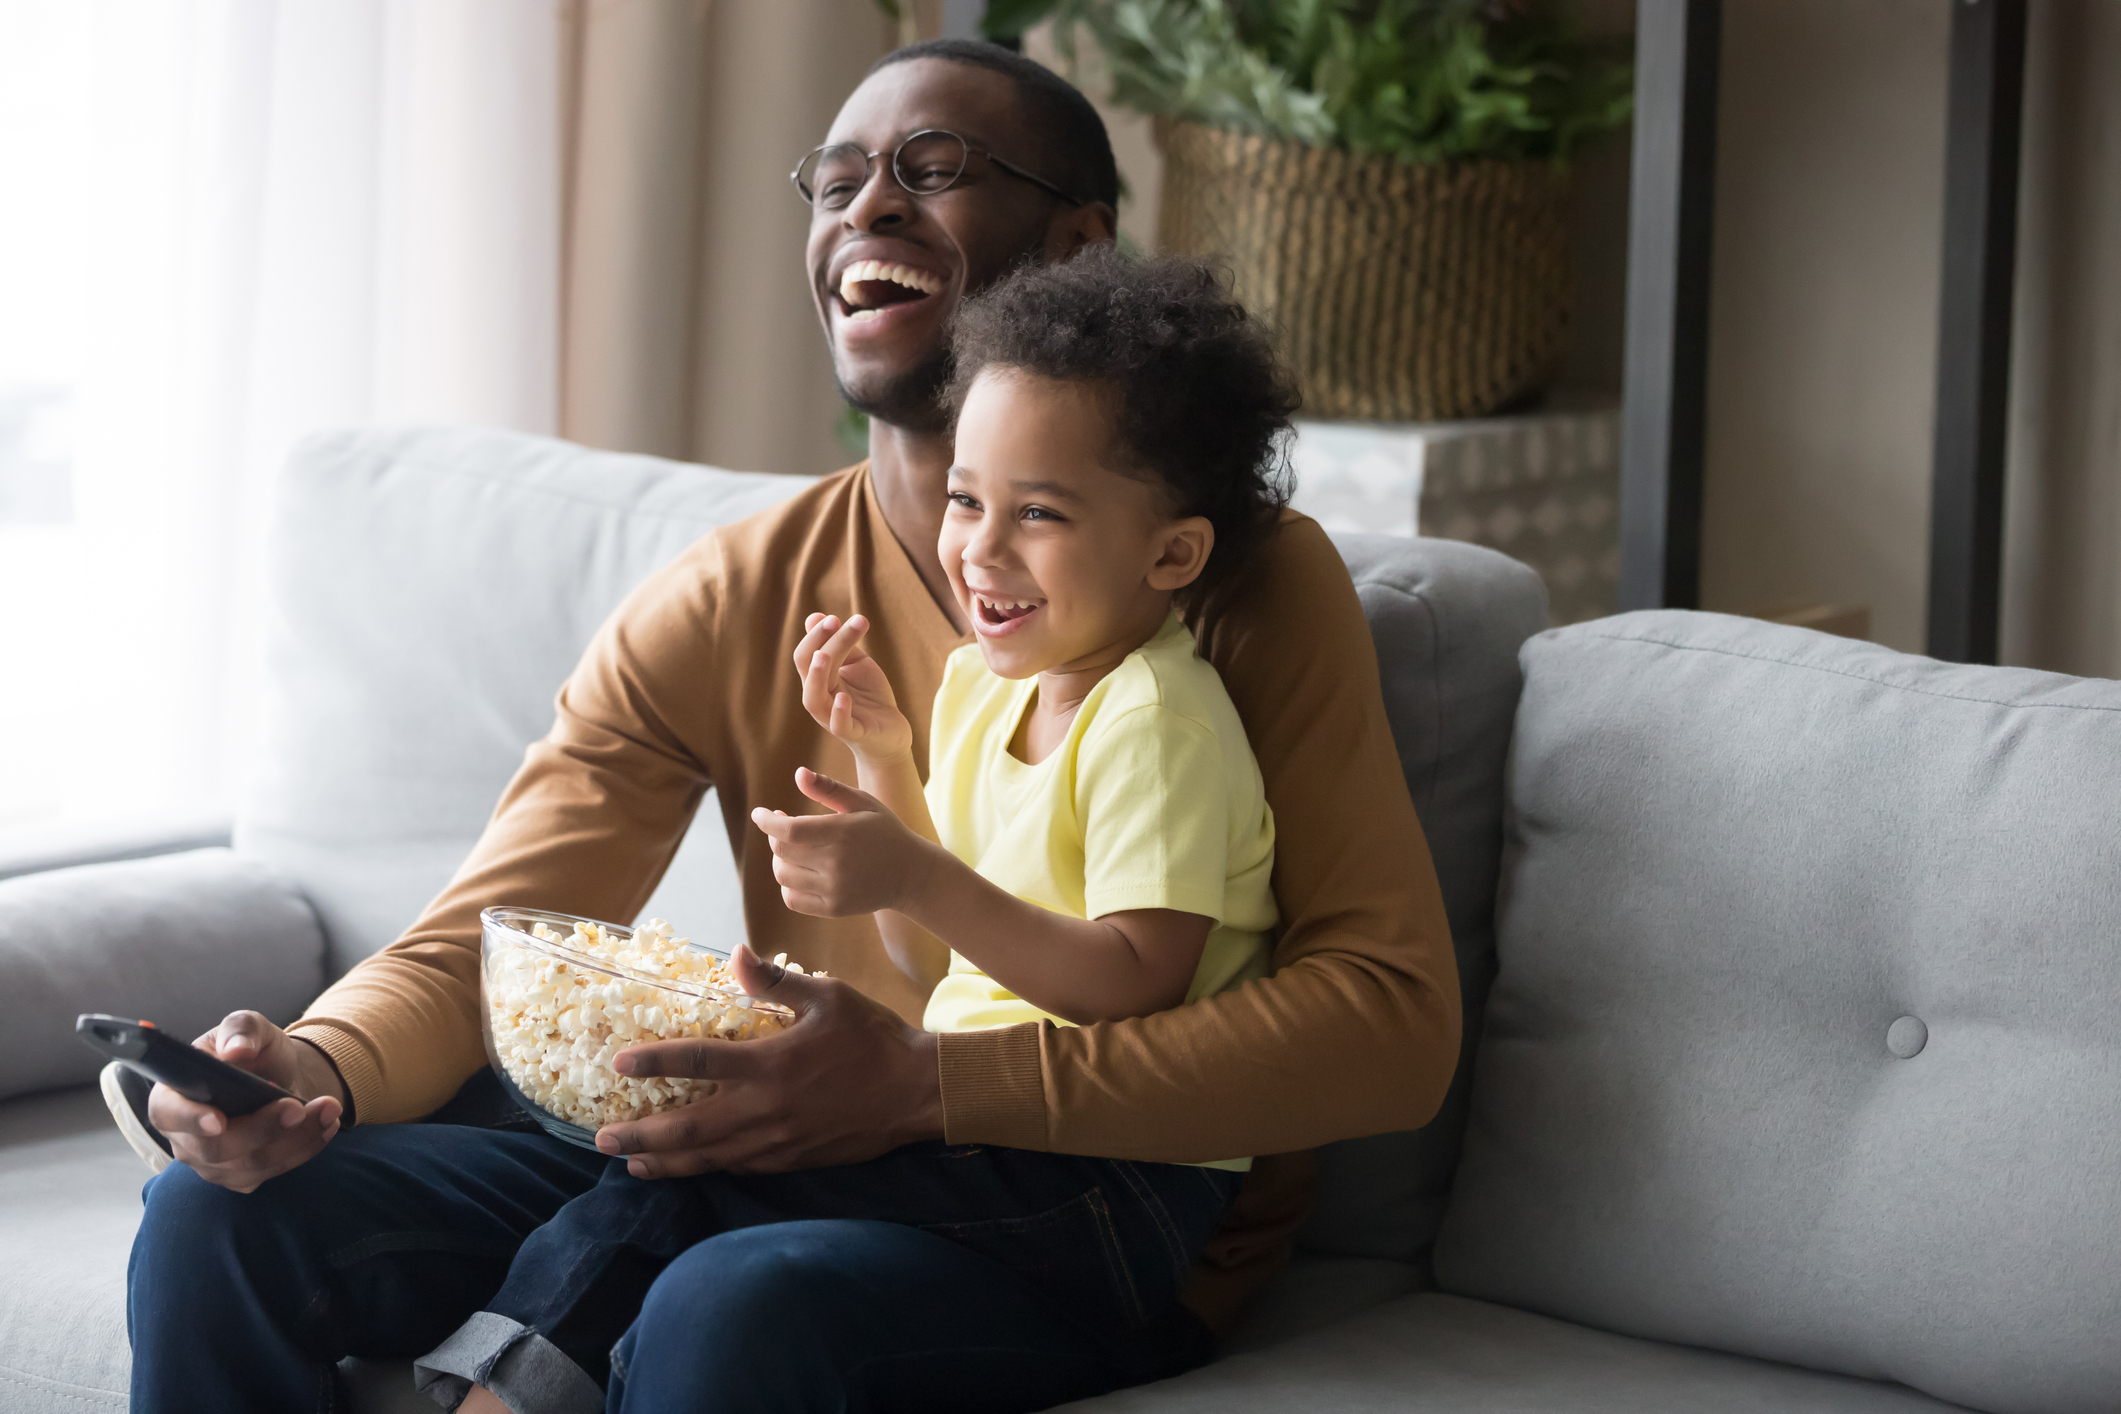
{"points": [[933, 1277]]}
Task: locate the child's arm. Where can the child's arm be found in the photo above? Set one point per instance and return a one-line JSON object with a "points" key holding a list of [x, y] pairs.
{"points": [[926, 900], [1131, 963], [847, 694], [860, 860]]}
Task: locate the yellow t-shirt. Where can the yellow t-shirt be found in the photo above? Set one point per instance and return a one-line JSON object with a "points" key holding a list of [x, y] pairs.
{"points": [[1153, 800]]}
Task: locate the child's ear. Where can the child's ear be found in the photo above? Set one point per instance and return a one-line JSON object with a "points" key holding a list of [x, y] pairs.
{"points": [[1186, 546]]}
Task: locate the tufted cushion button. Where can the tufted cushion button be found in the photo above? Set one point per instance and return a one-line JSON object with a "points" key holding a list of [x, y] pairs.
{"points": [[1906, 1037]]}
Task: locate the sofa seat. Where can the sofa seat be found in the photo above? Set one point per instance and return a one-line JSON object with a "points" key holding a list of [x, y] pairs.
{"points": [[1449, 1355], [70, 1203]]}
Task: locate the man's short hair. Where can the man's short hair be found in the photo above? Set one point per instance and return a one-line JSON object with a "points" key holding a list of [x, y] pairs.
{"points": [[1054, 110]]}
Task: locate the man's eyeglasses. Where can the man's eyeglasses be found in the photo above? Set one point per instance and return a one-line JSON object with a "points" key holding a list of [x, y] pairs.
{"points": [[924, 164]]}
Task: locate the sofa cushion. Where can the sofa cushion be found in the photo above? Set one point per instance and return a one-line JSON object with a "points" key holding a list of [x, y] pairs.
{"points": [[1804, 1041], [1447, 619], [1446, 1355], [432, 588], [181, 939]]}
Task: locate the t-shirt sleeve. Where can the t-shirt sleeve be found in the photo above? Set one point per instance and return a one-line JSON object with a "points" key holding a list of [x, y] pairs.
{"points": [[1154, 810]]}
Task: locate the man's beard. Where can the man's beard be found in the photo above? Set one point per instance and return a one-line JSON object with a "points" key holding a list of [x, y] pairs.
{"points": [[912, 399]]}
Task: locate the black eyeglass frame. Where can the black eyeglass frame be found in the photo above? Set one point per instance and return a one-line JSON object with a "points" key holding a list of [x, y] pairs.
{"points": [[869, 169]]}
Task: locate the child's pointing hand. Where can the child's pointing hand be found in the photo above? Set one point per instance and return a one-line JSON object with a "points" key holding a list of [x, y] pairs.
{"points": [[857, 859]]}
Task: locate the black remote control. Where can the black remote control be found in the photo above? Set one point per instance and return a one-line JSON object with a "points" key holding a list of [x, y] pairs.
{"points": [[191, 1072]]}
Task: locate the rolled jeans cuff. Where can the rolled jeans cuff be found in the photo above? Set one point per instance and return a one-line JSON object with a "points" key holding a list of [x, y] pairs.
{"points": [[527, 1371]]}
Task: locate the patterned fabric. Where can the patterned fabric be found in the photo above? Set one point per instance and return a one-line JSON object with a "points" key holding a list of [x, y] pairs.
{"points": [[1543, 489]]}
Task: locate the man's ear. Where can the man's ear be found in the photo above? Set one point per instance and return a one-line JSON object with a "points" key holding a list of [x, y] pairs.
{"points": [[1186, 546], [1077, 226]]}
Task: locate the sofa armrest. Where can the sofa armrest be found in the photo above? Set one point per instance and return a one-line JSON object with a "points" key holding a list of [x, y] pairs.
{"points": [[180, 939], [45, 848]]}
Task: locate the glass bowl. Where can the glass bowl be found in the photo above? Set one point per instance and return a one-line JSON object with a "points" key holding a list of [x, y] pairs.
{"points": [[560, 996]]}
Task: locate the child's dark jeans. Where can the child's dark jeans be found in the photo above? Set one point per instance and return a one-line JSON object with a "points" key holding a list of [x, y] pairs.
{"points": [[1106, 1242]]}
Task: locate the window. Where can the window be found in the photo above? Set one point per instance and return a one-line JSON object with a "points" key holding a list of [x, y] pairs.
{"points": [[226, 225]]}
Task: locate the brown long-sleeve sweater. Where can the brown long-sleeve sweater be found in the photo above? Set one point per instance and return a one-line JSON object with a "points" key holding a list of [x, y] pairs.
{"points": [[691, 685]]}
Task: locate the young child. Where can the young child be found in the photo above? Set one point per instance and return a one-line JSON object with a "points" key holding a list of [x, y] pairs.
{"points": [[1093, 842]]}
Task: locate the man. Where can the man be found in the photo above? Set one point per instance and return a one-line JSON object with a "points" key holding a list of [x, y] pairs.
{"points": [[288, 1243]]}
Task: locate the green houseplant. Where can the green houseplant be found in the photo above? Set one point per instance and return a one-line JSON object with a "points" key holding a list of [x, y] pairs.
{"points": [[1386, 178]]}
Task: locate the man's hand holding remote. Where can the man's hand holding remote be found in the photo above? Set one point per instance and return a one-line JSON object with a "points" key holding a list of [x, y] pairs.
{"points": [[240, 1154]]}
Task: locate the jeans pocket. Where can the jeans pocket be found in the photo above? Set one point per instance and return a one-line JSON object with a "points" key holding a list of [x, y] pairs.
{"points": [[1071, 1253], [1167, 1213]]}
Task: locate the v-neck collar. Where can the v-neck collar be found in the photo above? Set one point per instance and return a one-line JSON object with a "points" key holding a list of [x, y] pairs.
{"points": [[898, 579]]}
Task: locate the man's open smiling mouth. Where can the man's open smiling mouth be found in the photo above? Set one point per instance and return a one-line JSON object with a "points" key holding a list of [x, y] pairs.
{"points": [[869, 287]]}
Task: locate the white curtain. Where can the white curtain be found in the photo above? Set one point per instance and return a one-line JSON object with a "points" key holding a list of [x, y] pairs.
{"points": [[224, 223]]}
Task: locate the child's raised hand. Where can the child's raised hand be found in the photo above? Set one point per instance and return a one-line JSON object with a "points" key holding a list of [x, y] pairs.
{"points": [[846, 692]]}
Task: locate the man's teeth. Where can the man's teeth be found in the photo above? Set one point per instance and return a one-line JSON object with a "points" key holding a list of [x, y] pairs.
{"points": [[863, 272]]}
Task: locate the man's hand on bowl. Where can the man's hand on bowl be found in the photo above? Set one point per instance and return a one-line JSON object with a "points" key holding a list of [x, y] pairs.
{"points": [[242, 1153], [849, 1080]]}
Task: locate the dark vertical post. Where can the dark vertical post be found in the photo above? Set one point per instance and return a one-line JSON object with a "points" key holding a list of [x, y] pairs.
{"points": [[1974, 328], [1670, 217]]}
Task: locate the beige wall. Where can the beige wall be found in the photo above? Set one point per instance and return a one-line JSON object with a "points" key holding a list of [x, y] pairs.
{"points": [[1823, 346], [689, 328], [1824, 336], [778, 75], [1823, 307], [2062, 559], [1824, 325]]}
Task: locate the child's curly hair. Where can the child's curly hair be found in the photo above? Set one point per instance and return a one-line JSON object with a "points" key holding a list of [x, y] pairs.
{"points": [[1201, 401]]}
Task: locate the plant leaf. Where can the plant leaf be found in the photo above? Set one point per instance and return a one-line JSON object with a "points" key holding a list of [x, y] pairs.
{"points": [[1008, 19], [1425, 80]]}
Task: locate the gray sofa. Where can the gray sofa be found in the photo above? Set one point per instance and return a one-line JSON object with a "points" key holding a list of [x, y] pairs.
{"points": [[1797, 1086]]}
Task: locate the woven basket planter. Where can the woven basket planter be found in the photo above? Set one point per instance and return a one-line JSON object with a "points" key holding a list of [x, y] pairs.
{"points": [[1400, 291]]}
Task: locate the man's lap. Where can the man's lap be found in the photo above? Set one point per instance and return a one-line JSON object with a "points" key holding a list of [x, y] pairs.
{"points": [[868, 1316], [1106, 1241], [394, 1235], [389, 1233]]}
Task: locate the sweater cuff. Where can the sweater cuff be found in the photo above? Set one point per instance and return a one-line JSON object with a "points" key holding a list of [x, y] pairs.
{"points": [[364, 1082], [994, 1090]]}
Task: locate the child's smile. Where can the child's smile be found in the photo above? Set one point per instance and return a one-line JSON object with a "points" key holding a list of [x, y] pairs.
{"points": [[996, 616], [1061, 563]]}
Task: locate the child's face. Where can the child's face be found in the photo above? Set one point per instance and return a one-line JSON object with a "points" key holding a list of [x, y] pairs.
{"points": [[1054, 557]]}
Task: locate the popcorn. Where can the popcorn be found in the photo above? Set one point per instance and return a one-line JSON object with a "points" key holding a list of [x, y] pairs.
{"points": [[555, 1025]]}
